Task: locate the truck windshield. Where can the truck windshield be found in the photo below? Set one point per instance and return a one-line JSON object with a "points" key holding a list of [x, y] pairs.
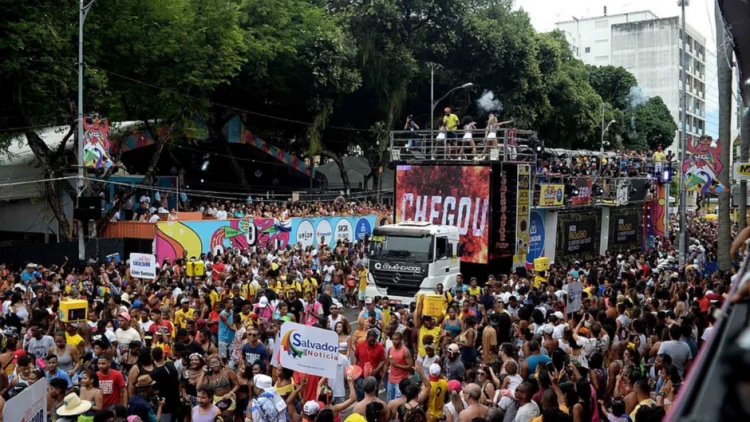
{"points": [[414, 249]]}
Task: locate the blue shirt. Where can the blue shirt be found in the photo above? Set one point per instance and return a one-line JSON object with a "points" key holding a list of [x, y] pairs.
{"points": [[62, 375], [535, 360], [27, 276], [253, 354], [226, 333]]}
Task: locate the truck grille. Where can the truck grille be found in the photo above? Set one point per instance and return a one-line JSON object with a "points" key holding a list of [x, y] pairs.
{"points": [[398, 284]]}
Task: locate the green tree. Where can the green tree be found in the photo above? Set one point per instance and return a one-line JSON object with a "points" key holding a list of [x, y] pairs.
{"points": [[145, 60], [649, 125], [613, 84]]}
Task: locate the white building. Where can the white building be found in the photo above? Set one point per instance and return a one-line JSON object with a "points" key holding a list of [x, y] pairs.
{"points": [[649, 48]]}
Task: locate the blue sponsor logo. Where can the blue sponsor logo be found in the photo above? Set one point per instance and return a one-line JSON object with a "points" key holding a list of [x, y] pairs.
{"points": [[363, 228], [559, 195]]}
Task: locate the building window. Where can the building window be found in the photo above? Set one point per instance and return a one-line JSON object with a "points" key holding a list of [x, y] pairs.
{"points": [[588, 49], [601, 24], [601, 58]]}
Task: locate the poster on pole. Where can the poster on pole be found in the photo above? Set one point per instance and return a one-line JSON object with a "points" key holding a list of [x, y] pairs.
{"points": [[30, 405], [575, 291], [143, 265], [96, 144], [523, 207], [309, 350], [702, 167]]}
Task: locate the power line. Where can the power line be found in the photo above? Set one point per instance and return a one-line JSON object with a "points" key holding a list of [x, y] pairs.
{"points": [[228, 107]]}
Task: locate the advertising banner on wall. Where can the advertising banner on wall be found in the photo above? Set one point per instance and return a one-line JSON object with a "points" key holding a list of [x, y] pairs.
{"points": [[450, 195], [309, 350], [197, 237], [537, 222], [523, 207], [504, 210], [96, 143], [703, 165], [579, 236], [551, 195], [626, 228], [622, 192], [584, 191]]}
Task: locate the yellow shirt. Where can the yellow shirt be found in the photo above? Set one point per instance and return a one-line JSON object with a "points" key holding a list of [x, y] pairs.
{"points": [[363, 280], [181, 317], [293, 285], [437, 397], [658, 157], [647, 402], [564, 409], [73, 340], [247, 290], [214, 297], [538, 280], [475, 291], [423, 331], [309, 285], [451, 122]]}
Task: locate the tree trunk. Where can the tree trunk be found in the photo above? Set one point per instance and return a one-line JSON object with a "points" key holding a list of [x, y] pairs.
{"points": [[724, 54], [744, 156], [148, 177], [342, 170], [48, 165]]}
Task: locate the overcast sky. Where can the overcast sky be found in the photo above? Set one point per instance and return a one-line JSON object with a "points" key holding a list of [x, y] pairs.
{"points": [[544, 13]]}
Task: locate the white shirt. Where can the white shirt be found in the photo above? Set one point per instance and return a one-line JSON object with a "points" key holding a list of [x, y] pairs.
{"points": [[221, 215], [338, 383], [125, 337], [527, 412], [154, 218], [145, 325]]}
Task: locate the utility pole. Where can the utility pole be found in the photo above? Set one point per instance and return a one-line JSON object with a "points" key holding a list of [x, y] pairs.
{"points": [[724, 67], [82, 12], [683, 141]]}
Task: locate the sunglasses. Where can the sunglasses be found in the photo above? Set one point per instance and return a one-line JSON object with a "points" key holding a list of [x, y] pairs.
{"points": [[253, 334]]}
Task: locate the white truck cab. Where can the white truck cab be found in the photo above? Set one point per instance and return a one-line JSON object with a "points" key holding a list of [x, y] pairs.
{"points": [[410, 258]]}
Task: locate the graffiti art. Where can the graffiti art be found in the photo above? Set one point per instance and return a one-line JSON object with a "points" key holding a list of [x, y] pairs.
{"points": [[703, 165], [175, 239]]}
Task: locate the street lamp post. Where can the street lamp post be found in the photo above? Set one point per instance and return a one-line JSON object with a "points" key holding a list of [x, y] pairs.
{"points": [[434, 103], [601, 149]]}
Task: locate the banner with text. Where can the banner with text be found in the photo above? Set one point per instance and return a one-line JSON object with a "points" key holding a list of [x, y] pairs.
{"points": [[30, 405], [579, 236], [309, 350], [143, 265], [450, 195], [537, 223], [523, 207], [551, 195], [584, 191]]}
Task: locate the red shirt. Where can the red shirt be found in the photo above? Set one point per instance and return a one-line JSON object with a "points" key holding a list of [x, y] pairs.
{"points": [[311, 389], [217, 270], [111, 386], [705, 304], [372, 355], [165, 326], [213, 318]]}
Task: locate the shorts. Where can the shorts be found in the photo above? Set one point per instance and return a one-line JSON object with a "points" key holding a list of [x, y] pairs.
{"points": [[361, 295], [467, 137], [224, 349]]}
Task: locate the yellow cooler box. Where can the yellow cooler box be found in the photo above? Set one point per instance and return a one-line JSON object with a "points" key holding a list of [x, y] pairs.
{"points": [[541, 264], [195, 269], [433, 305], [74, 310]]}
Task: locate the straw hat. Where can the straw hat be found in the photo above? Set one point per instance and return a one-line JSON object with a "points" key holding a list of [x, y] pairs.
{"points": [[144, 381], [72, 406]]}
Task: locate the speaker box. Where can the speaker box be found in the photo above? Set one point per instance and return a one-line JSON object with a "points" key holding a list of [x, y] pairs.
{"points": [[89, 208]]}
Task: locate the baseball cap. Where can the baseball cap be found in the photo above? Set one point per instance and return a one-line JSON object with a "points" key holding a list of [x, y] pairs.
{"points": [[454, 385], [124, 315], [453, 347], [137, 304], [311, 408], [548, 329], [185, 300], [559, 315], [368, 301], [263, 302], [434, 370], [262, 382]]}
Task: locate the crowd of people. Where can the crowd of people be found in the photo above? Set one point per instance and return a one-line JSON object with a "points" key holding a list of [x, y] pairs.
{"points": [[198, 347], [151, 209]]}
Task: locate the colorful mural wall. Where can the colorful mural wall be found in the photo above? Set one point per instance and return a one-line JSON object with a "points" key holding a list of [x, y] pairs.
{"points": [[173, 238]]}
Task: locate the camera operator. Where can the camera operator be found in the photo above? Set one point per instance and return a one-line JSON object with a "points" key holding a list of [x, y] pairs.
{"points": [[144, 401]]}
